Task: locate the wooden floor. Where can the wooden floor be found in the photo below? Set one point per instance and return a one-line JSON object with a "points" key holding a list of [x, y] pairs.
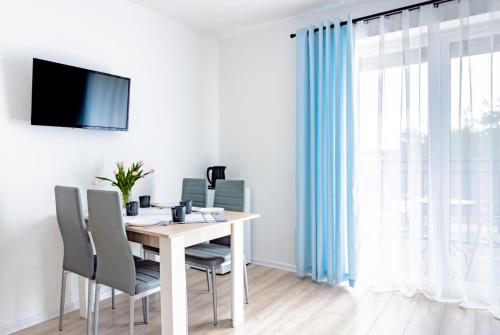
{"points": [[281, 303]]}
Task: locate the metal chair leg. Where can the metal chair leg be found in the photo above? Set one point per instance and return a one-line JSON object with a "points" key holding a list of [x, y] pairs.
{"points": [[89, 306], [145, 309], [63, 296], [131, 315], [96, 308], [113, 298], [208, 281], [245, 278], [214, 294]]}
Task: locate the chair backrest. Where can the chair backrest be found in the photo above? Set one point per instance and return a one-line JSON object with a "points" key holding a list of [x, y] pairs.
{"points": [[195, 189], [230, 195], [115, 262], [78, 252]]}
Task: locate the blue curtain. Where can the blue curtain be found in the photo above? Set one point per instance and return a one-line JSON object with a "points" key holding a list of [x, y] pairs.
{"points": [[325, 234]]}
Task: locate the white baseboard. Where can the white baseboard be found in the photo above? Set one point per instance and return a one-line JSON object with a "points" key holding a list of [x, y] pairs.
{"points": [[37, 318], [44, 316], [274, 264]]}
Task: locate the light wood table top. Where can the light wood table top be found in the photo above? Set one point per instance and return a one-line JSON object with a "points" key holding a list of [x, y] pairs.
{"points": [[193, 233], [173, 230]]}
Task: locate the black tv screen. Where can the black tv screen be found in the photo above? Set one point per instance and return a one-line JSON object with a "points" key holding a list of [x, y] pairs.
{"points": [[69, 96]]}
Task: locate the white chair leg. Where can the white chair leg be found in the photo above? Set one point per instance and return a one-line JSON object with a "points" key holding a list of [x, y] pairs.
{"points": [[96, 308], [89, 306], [63, 296], [131, 315]]}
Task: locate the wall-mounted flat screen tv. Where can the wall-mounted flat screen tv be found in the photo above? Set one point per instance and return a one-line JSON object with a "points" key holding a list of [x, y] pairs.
{"points": [[69, 96]]}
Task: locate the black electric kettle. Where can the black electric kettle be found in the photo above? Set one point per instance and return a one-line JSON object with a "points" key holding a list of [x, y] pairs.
{"points": [[218, 172]]}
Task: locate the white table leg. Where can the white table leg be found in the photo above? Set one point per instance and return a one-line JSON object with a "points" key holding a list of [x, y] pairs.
{"points": [[173, 286], [237, 273], [83, 284]]}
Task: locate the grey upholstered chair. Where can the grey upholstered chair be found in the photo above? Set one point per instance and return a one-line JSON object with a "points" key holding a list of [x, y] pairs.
{"points": [[194, 189], [230, 195], [116, 266], [78, 253]]}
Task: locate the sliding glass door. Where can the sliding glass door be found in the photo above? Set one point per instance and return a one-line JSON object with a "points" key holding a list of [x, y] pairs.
{"points": [[475, 162], [429, 152]]}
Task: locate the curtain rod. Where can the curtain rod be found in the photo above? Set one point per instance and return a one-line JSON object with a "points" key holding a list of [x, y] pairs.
{"points": [[436, 3]]}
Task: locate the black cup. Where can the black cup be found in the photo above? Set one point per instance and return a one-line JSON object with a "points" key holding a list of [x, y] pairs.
{"points": [[132, 208], [145, 201], [188, 204], [178, 213]]}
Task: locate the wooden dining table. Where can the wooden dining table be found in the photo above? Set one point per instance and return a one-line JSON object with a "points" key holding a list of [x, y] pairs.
{"points": [[172, 239]]}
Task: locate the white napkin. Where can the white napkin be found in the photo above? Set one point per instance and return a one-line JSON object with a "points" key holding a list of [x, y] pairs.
{"points": [[210, 210], [145, 221], [199, 218]]}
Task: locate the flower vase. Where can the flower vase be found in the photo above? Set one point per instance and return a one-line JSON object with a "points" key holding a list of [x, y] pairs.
{"points": [[125, 198]]}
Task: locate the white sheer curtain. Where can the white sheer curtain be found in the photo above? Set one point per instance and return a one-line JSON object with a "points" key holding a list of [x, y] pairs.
{"points": [[429, 152]]}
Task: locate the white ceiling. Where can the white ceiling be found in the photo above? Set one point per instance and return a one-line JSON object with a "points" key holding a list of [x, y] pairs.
{"points": [[221, 18]]}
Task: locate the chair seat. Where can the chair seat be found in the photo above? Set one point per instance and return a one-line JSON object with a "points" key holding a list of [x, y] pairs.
{"points": [[147, 275], [208, 254]]}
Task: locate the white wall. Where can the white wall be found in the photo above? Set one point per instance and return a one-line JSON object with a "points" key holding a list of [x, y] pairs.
{"points": [[257, 123], [173, 128]]}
